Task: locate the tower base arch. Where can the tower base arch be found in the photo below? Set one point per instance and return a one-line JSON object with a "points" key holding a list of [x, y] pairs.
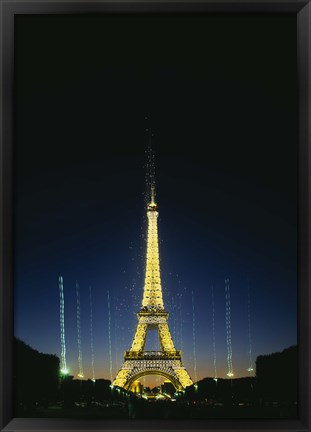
{"points": [[170, 369]]}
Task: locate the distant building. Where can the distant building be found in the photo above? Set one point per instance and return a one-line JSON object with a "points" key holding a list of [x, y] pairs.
{"points": [[137, 387], [167, 387]]}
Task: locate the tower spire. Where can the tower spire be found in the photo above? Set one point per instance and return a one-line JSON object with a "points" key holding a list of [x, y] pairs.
{"points": [[150, 167], [152, 195]]}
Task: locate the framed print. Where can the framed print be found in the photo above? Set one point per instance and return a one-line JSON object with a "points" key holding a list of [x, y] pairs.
{"points": [[155, 215]]}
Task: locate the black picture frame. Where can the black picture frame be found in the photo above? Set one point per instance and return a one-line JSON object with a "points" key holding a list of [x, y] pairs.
{"points": [[8, 10]]}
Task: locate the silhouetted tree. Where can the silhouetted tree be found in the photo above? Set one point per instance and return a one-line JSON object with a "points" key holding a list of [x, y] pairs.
{"points": [[277, 376], [36, 377]]}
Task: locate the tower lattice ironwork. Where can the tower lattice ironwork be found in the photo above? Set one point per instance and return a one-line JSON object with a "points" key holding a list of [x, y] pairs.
{"points": [[167, 361]]}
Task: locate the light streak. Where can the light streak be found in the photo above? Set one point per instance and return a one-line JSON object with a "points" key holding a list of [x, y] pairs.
{"points": [[178, 324], [174, 319], [91, 336], [250, 368], [214, 338], [109, 335], [80, 374], [228, 326], [63, 365], [115, 311], [181, 322], [194, 341]]}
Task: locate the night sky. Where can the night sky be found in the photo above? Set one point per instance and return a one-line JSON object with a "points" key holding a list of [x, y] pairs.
{"points": [[221, 93]]}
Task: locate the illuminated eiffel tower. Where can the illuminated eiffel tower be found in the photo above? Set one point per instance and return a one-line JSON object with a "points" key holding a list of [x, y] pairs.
{"points": [[152, 315]]}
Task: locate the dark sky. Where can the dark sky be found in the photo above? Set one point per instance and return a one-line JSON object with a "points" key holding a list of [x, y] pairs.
{"points": [[222, 97]]}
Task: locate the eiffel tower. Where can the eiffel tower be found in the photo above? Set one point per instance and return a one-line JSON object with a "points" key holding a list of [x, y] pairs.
{"points": [[152, 315]]}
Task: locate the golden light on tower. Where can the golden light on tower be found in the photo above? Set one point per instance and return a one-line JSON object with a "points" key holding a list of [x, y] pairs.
{"points": [[167, 361]]}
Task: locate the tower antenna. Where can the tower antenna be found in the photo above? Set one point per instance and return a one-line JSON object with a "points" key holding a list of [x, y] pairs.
{"points": [[150, 165]]}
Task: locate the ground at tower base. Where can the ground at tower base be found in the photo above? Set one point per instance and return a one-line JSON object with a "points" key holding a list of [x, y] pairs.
{"points": [[42, 392]]}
